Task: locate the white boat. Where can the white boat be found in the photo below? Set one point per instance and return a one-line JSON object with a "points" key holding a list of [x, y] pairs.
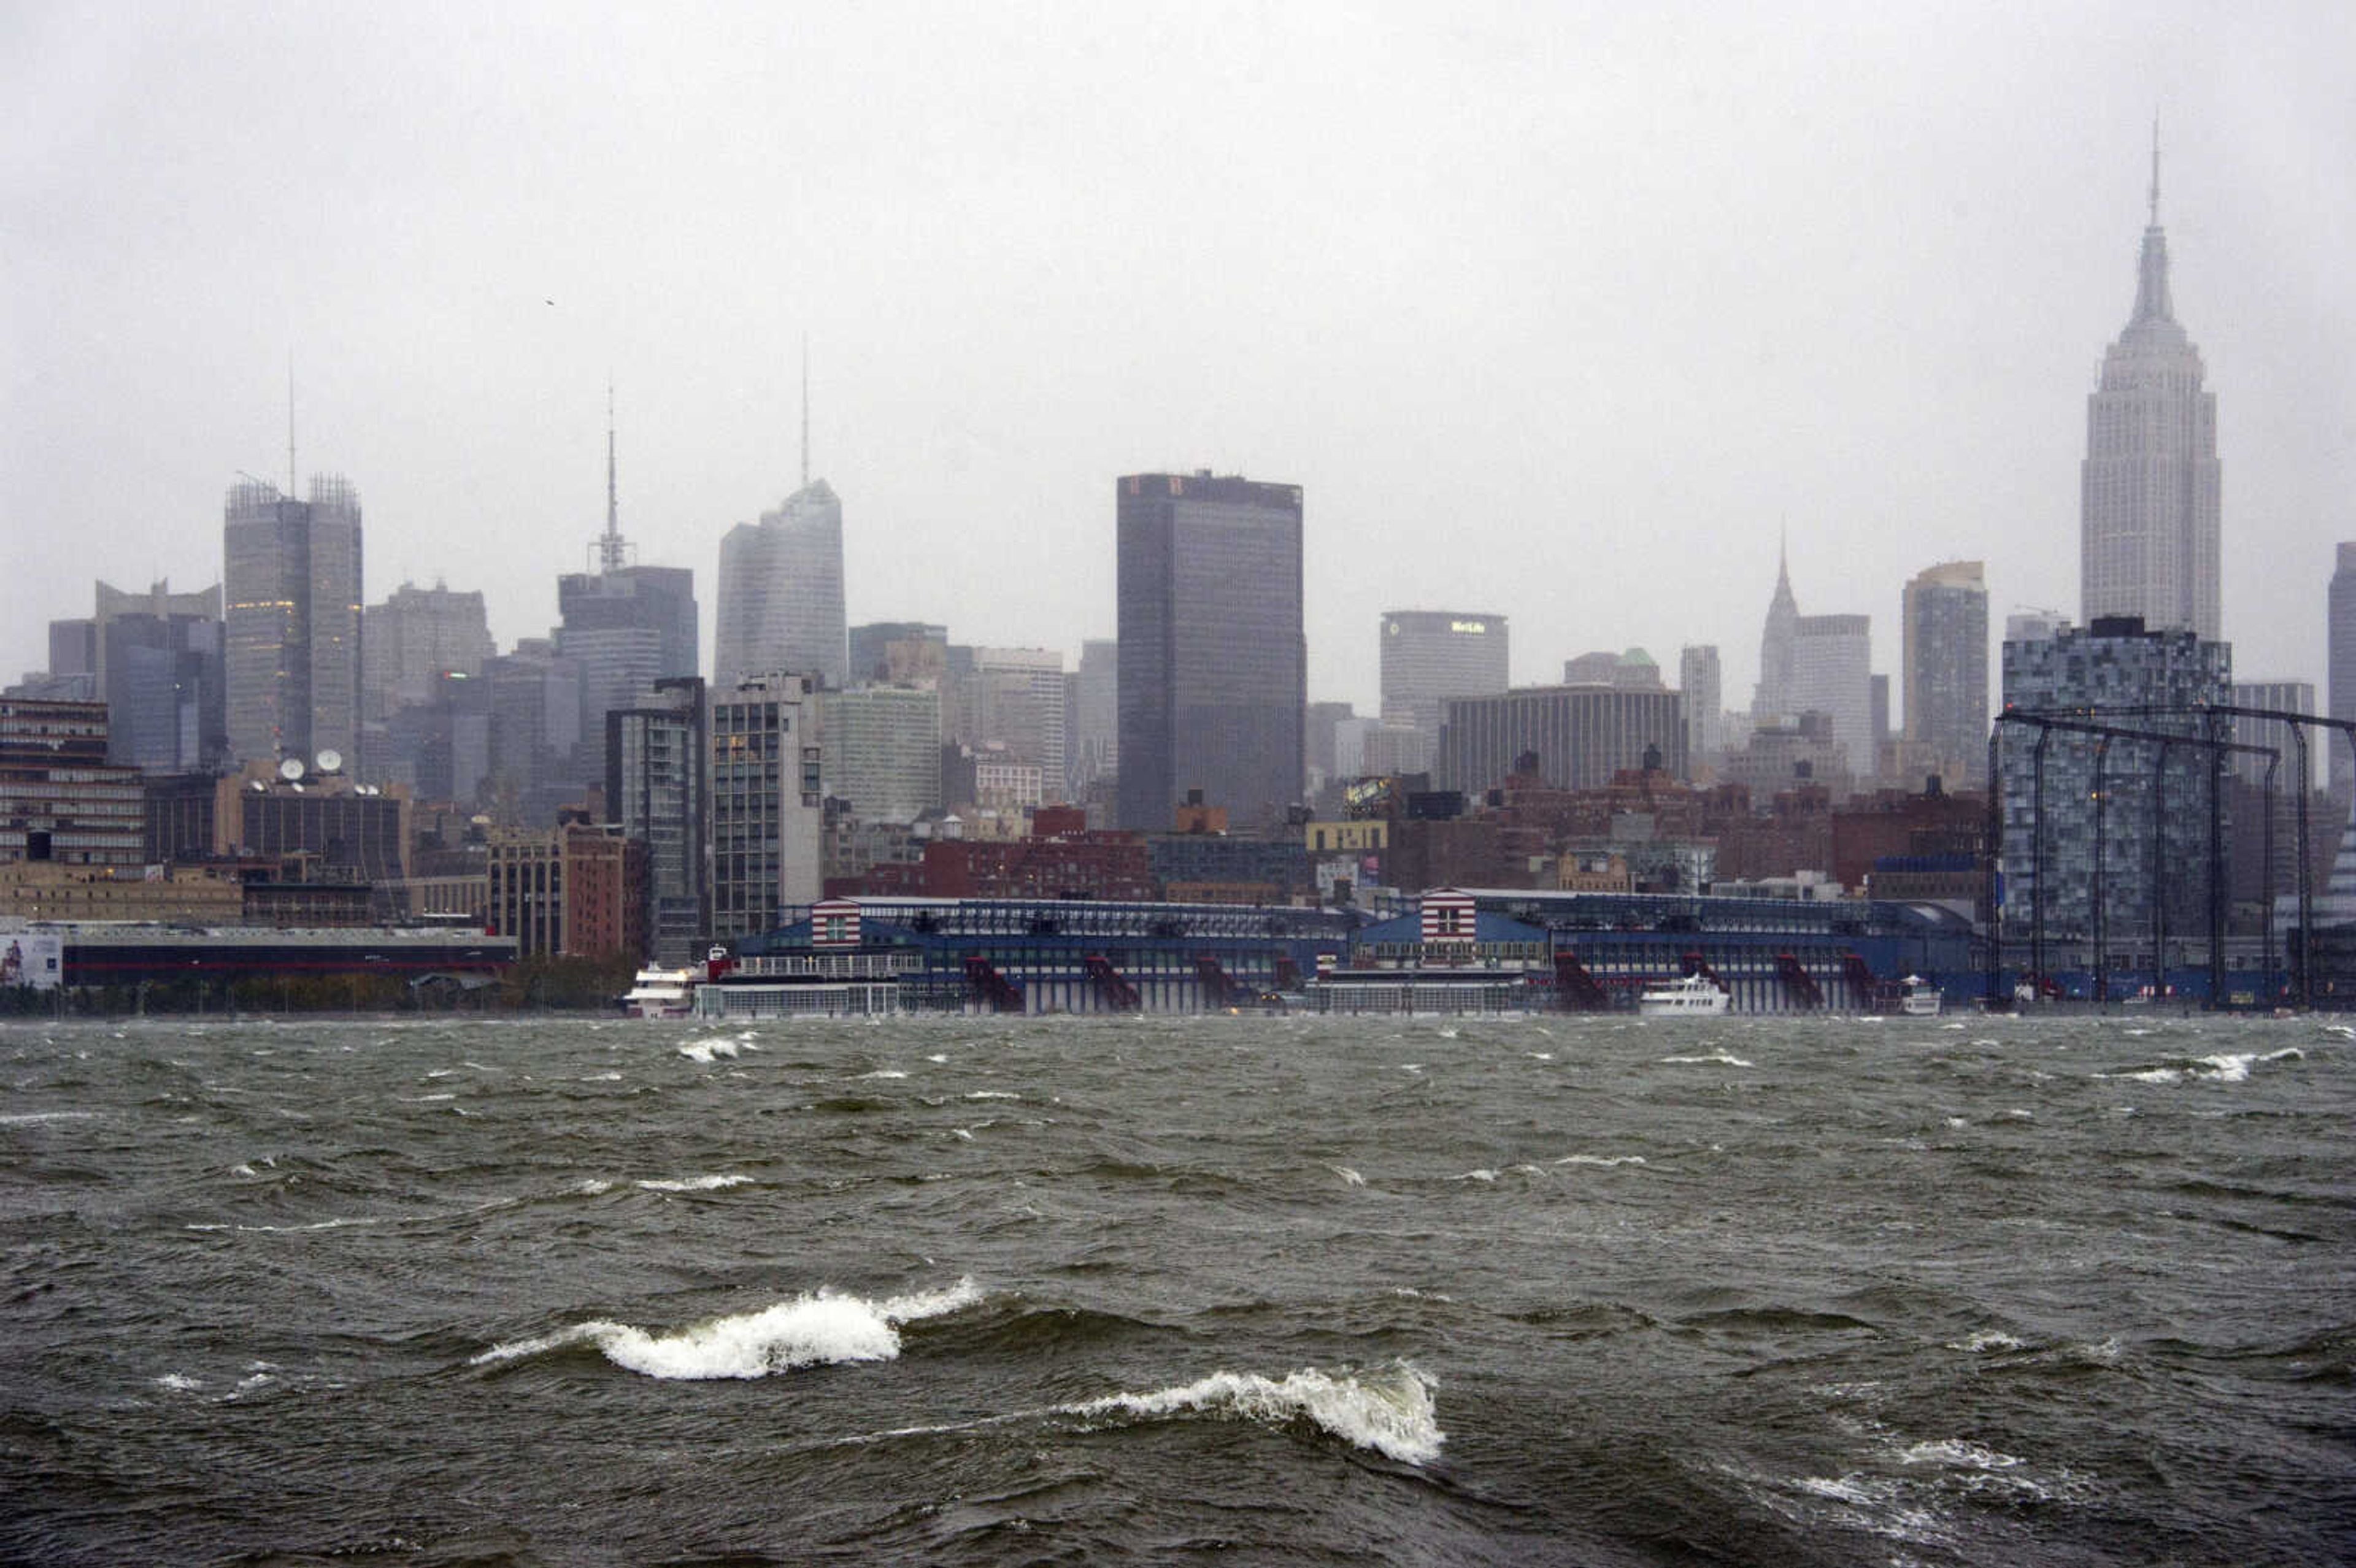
{"points": [[660, 994], [1918, 997], [1690, 995]]}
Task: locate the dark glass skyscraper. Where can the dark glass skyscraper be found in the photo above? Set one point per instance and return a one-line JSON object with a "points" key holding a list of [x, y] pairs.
{"points": [[657, 790], [2113, 664], [1214, 666], [627, 627], [291, 589]]}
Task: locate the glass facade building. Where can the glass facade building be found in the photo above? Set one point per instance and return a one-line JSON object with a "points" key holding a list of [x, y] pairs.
{"points": [[1832, 674], [1213, 662], [1945, 609], [767, 805], [2151, 841], [291, 589], [1700, 682], [1430, 656], [1581, 735], [884, 750], [658, 790], [624, 629], [781, 592]]}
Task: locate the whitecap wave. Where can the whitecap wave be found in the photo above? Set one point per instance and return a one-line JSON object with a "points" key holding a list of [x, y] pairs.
{"points": [[694, 1183], [1957, 1452], [2232, 1067], [2235, 1068], [706, 1051], [1605, 1160], [1390, 1412], [884, 1072], [820, 1330], [1721, 1058]]}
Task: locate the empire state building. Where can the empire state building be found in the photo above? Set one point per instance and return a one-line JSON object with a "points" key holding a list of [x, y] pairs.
{"points": [[2149, 492]]}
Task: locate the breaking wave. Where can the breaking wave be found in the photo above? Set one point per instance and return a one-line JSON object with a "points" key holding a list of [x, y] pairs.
{"points": [[819, 1329], [1389, 1413]]}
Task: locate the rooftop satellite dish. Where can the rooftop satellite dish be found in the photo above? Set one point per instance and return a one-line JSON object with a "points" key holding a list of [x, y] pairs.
{"points": [[291, 769], [330, 761]]}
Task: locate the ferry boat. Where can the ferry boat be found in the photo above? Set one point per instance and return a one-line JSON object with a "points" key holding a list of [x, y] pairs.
{"points": [[660, 994], [1690, 995], [1918, 997]]}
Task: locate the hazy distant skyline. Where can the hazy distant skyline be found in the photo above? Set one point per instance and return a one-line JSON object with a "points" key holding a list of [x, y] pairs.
{"points": [[1557, 318]]}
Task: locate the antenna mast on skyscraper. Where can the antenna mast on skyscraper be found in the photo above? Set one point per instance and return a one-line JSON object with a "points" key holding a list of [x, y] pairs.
{"points": [[805, 411], [290, 424], [2154, 169], [609, 548]]}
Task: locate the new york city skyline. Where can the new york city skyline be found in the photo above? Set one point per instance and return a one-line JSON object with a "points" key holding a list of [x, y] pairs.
{"points": [[1614, 300]]}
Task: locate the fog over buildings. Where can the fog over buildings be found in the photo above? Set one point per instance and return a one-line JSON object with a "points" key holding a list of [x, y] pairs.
{"points": [[1568, 318]]}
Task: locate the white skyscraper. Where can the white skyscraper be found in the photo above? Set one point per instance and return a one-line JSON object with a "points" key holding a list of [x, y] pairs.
{"points": [[2150, 488], [1832, 673], [1699, 680]]}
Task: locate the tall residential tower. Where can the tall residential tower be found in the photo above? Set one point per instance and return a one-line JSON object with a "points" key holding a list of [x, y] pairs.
{"points": [[1945, 609]]}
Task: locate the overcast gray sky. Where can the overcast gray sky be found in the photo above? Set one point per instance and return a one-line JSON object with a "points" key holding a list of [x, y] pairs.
{"points": [[1555, 312]]}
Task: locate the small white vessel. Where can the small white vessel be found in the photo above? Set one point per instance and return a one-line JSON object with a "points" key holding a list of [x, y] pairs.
{"points": [[1918, 997], [660, 994], [1690, 995]]}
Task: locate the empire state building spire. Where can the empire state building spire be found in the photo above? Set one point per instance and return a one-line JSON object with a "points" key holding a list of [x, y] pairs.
{"points": [[2149, 491], [2152, 302]]}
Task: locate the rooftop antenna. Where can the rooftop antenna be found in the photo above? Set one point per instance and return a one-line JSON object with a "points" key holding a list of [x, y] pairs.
{"points": [[805, 411], [2154, 169], [290, 424], [609, 548]]}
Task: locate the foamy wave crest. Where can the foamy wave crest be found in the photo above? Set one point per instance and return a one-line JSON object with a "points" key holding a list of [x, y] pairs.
{"points": [[694, 1183], [1721, 1058], [704, 1050], [2224, 1068], [2234, 1069], [821, 1330], [1604, 1160], [1389, 1412]]}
